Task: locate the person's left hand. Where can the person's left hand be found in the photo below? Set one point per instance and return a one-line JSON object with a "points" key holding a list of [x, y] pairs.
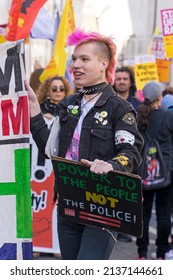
{"points": [[98, 166]]}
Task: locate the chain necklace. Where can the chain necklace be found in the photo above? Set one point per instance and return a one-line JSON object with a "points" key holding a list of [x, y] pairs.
{"points": [[84, 105]]}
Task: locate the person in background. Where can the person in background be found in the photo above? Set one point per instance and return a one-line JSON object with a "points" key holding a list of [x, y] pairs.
{"points": [[167, 104], [94, 114], [148, 115], [50, 92], [167, 90], [124, 86]]}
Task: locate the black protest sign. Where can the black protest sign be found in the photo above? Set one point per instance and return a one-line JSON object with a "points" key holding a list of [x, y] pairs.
{"points": [[112, 201]]}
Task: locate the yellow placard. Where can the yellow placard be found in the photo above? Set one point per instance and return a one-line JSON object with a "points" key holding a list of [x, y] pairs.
{"points": [[144, 73], [168, 43]]}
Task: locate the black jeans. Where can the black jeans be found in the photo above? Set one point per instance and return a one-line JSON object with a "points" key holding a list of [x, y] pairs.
{"points": [[162, 199], [83, 242]]}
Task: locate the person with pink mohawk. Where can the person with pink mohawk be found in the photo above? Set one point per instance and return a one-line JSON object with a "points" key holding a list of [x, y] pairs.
{"points": [[97, 128], [106, 45]]}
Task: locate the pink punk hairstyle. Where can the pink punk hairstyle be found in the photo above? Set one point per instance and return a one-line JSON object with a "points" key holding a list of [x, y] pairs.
{"points": [[78, 37]]}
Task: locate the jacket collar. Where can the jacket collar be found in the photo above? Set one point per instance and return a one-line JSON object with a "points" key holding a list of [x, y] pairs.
{"points": [[103, 98]]}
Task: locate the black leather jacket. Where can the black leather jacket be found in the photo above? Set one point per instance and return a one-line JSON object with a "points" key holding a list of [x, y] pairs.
{"points": [[97, 140]]}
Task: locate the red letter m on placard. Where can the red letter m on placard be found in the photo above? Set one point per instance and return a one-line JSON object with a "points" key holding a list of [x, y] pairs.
{"points": [[21, 116]]}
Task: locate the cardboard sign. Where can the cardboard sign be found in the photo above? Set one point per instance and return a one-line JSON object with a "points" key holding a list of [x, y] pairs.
{"points": [[112, 201]]}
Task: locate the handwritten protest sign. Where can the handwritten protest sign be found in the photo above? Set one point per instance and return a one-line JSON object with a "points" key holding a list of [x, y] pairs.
{"points": [[112, 201], [145, 71]]}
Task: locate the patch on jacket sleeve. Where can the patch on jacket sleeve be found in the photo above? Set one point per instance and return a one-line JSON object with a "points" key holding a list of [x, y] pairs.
{"points": [[122, 159], [123, 136], [129, 118]]}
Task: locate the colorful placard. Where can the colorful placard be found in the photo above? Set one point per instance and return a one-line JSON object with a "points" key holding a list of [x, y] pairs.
{"points": [[112, 201], [167, 29], [145, 70]]}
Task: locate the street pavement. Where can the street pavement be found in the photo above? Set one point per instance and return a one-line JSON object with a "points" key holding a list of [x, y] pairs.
{"points": [[128, 250], [121, 251]]}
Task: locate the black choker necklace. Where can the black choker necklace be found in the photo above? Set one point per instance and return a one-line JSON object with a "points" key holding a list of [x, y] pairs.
{"points": [[93, 89]]}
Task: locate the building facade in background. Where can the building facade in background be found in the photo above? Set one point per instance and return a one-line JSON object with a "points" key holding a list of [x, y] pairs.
{"points": [[130, 22]]}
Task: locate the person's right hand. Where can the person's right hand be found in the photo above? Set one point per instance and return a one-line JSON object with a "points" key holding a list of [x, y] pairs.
{"points": [[98, 166], [34, 106], [48, 116]]}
